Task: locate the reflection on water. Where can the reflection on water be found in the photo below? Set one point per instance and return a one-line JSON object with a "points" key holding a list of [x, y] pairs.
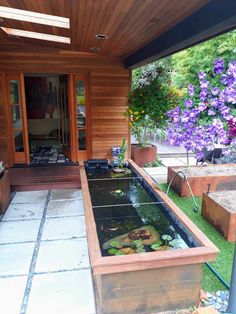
{"points": [[129, 219]]}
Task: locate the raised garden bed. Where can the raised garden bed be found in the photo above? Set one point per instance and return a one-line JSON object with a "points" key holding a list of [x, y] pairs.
{"points": [[203, 179], [142, 282], [143, 155], [219, 209]]}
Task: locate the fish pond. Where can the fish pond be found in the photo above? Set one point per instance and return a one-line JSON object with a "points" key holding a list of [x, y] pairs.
{"points": [[129, 218]]}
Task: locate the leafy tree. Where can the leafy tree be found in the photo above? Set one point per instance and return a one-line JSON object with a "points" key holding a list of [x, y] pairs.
{"points": [[198, 58]]}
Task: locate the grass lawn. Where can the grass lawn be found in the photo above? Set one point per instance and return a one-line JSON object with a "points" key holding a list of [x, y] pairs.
{"points": [[223, 264]]}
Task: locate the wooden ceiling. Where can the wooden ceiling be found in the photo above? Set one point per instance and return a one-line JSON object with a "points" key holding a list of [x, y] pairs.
{"points": [[129, 24]]}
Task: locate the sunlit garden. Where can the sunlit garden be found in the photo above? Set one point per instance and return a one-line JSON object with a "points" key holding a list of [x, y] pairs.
{"points": [[189, 99]]}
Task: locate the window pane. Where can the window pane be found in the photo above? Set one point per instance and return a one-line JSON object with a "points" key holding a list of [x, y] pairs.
{"points": [[19, 144], [81, 113], [82, 139], [16, 117], [14, 92]]}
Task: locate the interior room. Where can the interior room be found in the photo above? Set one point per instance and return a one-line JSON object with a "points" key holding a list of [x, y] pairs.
{"points": [[47, 118]]}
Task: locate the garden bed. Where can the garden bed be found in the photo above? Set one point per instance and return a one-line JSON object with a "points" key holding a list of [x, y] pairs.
{"points": [[203, 179], [160, 276], [219, 209]]}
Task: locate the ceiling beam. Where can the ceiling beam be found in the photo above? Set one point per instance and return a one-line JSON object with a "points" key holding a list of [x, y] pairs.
{"points": [[213, 19]]}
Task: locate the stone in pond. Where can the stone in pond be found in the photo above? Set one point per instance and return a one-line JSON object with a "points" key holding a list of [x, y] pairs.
{"points": [[124, 239]]}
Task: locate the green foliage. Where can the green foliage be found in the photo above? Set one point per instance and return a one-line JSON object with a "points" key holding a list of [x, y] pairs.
{"points": [[183, 66], [156, 163], [155, 246], [112, 251], [121, 155], [149, 101], [188, 62], [139, 247]]}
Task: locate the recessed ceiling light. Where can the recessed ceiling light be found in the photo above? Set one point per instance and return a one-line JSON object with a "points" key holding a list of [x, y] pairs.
{"points": [[95, 49], [101, 36], [41, 36], [34, 17]]}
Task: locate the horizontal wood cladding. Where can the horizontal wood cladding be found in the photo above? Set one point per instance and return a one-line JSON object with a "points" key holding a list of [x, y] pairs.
{"points": [[109, 84], [5, 153], [109, 101], [60, 61]]}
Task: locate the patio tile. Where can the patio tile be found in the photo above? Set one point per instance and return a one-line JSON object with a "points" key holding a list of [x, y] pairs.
{"points": [[15, 259], [168, 162], [64, 228], [30, 197], [12, 292], [65, 208], [156, 170], [65, 194], [60, 293], [24, 211], [62, 254], [18, 231]]}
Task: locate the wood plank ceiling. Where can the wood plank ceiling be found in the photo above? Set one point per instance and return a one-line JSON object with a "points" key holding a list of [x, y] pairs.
{"points": [[129, 24]]}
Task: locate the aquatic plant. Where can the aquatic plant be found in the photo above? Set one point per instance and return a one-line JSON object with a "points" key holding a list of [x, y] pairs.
{"points": [[156, 246]]}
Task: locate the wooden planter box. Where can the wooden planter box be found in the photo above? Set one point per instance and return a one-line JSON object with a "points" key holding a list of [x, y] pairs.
{"points": [[220, 214], [4, 191], [147, 282], [201, 184], [143, 155]]}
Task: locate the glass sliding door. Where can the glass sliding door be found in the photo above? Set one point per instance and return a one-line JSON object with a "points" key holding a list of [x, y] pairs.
{"points": [[17, 119]]}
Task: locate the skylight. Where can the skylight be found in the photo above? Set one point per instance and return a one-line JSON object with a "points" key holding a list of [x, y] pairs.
{"points": [[34, 17], [41, 36]]}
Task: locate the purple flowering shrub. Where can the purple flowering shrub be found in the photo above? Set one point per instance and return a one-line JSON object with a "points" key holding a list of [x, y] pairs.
{"points": [[207, 117]]}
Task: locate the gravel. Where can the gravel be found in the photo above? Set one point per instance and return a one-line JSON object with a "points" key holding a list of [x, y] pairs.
{"points": [[217, 299]]}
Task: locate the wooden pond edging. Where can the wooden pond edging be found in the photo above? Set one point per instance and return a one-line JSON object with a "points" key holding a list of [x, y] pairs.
{"points": [[200, 184], [147, 282], [219, 217]]}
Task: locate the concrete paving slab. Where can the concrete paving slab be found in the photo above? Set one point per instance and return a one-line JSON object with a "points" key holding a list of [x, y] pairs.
{"points": [[15, 259], [30, 197], [24, 211], [65, 208], [66, 194], [60, 293], [62, 255], [18, 231], [64, 228], [12, 292]]}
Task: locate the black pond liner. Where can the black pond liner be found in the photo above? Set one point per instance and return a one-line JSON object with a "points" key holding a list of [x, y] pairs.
{"points": [[126, 202]]}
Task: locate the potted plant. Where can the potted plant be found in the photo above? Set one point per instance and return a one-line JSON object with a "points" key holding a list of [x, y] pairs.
{"points": [[148, 103], [121, 158]]}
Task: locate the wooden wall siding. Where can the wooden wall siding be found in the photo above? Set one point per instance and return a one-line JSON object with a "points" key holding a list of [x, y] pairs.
{"points": [[108, 98], [109, 85], [5, 153]]}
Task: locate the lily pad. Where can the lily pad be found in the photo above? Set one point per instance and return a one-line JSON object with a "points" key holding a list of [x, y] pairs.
{"points": [[112, 251], [123, 240], [156, 246]]}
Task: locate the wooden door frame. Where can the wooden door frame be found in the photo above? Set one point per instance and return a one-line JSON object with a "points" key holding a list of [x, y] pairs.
{"points": [[23, 157], [82, 155]]}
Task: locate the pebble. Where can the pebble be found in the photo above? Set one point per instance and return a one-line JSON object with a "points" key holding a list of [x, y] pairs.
{"points": [[218, 299]]}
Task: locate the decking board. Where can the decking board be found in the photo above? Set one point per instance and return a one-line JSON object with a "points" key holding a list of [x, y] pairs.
{"points": [[43, 178]]}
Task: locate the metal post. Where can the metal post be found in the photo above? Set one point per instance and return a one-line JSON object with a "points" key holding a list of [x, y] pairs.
{"points": [[232, 293]]}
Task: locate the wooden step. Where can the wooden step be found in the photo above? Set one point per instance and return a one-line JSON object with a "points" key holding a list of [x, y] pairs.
{"points": [[44, 178]]}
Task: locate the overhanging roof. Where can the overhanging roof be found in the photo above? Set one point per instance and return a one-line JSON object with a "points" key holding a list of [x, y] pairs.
{"points": [[138, 31], [213, 19]]}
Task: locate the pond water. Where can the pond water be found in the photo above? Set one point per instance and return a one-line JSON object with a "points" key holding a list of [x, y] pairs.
{"points": [[130, 218]]}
